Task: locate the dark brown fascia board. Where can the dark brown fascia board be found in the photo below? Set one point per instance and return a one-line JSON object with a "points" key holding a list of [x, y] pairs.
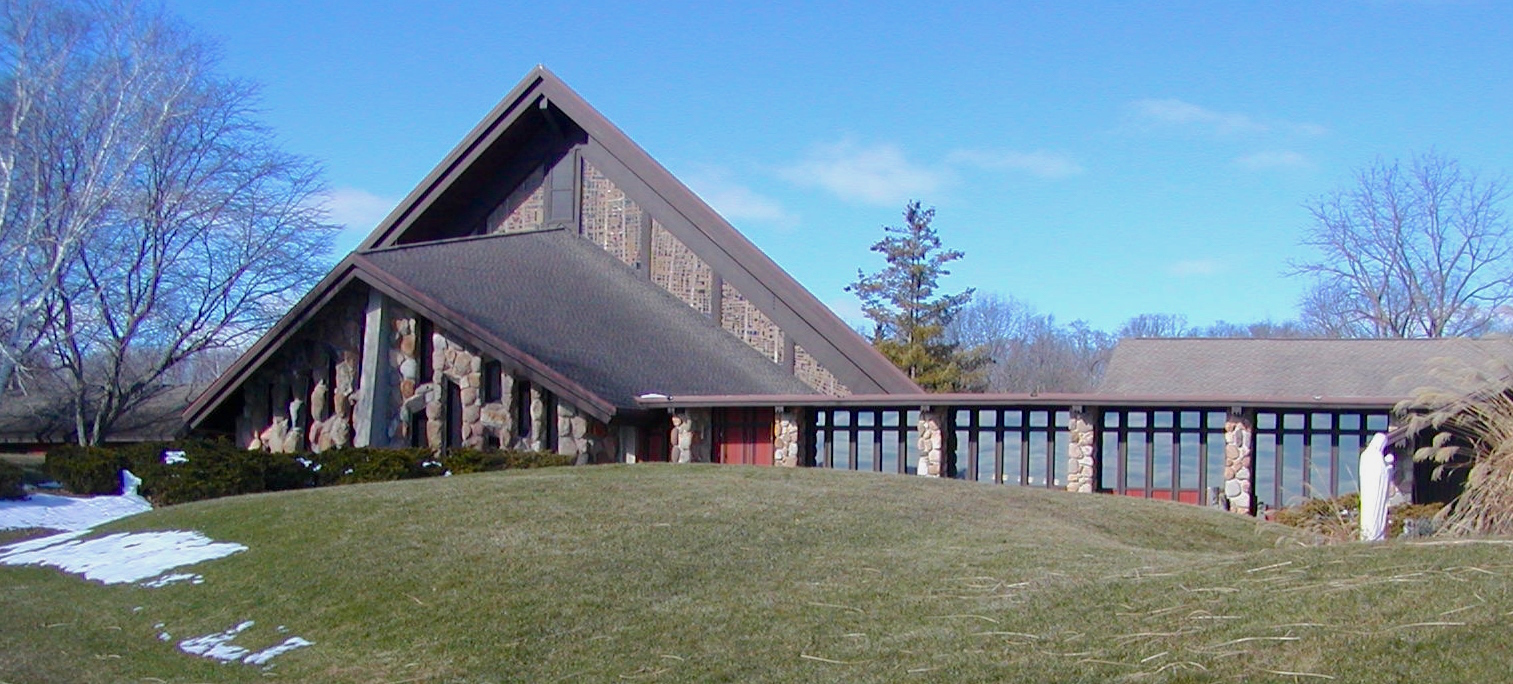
{"points": [[529, 366], [818, 330], [483, 135], [990, 400], [254, 357], [812, 324]]}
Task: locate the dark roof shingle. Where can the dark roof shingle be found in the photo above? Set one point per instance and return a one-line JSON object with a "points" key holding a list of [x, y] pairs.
{"points": [[569, 304], [1334, 369]]}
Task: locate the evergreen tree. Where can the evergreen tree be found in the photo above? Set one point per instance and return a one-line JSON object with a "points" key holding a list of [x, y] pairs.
{"points": [[909, 316]]}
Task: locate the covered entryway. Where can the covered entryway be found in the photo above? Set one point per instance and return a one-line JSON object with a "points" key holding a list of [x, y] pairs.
{"points": [[743, 436]]}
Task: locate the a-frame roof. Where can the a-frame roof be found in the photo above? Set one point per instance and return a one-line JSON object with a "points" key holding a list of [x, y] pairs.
{"points": [[794, 309], [504, 294], [387, 261]]}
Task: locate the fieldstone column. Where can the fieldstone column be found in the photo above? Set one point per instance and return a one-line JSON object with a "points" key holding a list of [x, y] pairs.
{"points": [[1239, 448], [932, 442], [573, 435], [690, 436], [787, 432], [1082, 431]]}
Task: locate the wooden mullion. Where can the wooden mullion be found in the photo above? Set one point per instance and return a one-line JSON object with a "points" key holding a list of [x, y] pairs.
{"points": [[998, 446], [877, 441], [972, 421], [1150, 453]]}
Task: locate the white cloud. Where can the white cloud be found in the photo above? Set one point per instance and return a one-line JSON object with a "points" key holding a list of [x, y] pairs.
{"points": [[849, 309], [1038, 163], [1179, 113], [358, 210], [876, 174], [1273, 159], [1194, 267], [737, 202]]}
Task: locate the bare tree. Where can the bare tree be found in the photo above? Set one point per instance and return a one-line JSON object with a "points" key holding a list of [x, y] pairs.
{"points": [[1422, 251], [1029, 351], [190, 237], [1155, 325]]}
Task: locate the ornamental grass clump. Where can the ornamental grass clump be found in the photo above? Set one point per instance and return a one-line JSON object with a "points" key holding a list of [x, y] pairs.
{"points": [[1471, 420]]}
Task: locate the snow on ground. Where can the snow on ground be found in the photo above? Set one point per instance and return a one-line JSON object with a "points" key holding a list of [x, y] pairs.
{"points": [[68, 512], [144, 557], [219, 646], [118, 558]]}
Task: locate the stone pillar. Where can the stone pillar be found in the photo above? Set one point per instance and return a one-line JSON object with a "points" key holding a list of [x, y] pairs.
{"points": [[932, 442], [1239, 463], [690, 436], [371, 411], [573, 435], [1082, 431], [787, 437], [538, 420], [408, 396]]}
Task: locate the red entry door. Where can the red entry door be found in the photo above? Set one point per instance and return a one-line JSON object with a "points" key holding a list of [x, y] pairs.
{"points": [[743, 436]]}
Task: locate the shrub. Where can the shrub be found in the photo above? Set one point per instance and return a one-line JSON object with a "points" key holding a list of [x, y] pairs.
{"points": [[460, 461], [10, 481], [1339, 518], [213, 469], [355, 465], [86, 470]]}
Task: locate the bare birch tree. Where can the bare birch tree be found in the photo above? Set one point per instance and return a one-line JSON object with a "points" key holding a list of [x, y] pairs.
{"points": [[1421, 251], [155, 220]]}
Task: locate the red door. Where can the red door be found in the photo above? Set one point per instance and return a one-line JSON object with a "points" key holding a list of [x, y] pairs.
{"points": [[743, 436]]}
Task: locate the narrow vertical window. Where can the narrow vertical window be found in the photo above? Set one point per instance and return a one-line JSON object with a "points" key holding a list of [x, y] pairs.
{"points": [[454, 416], [522, 408], [493, 390]]}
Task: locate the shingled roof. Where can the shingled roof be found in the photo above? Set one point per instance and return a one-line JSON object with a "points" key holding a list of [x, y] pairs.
{"points": [[577, 309], [1303, 369]]}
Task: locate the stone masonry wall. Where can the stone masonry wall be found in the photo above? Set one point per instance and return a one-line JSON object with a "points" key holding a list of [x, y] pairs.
{"points": [[787, 437], [690, 436], [932, 443], [1239, 443], [317, 371], [1081, 439]]}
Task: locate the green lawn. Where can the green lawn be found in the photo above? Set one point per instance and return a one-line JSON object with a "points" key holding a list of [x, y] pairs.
{"points": [[709, 573]]}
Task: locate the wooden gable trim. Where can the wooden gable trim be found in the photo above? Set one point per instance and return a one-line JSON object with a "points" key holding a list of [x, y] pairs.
{"points": [[434, 185], [529, 367], [795, 310]]}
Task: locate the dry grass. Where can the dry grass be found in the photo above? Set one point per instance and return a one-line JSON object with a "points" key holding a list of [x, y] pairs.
{"points": [[1475, 406], [689, 573]]}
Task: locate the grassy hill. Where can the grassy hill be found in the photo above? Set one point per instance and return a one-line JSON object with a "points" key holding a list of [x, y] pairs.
{"points": [[708, 573]]}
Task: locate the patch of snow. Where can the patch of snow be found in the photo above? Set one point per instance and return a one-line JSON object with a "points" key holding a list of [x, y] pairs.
{"points": [[175, 578], [174, 458], [69, 513], [118, 558], [219, 646], [262, 657]]}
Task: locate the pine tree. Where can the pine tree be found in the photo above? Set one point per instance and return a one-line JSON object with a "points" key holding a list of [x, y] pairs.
{"points": [[909, 316]]}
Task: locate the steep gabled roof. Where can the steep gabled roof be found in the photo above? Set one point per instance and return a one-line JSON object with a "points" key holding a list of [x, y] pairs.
{"points": [[568, 304], [542, 96], [556, 309], [1326, 369]]}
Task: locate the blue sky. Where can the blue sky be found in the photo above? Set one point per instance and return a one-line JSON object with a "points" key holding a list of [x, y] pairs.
{"points": [[1097, 160]]}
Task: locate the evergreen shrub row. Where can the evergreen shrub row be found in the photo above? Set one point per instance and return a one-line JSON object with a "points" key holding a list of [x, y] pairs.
{"points": [[211, 469], [11, 481]]}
